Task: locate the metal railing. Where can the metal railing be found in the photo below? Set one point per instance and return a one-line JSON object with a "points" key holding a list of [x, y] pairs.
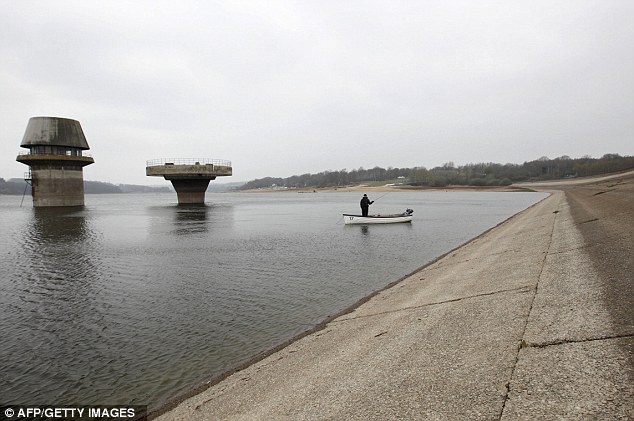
{"points": [[57, 153], [187, 161]]}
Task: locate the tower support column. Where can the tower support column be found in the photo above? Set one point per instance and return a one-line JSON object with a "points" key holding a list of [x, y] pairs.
{"points": [[57, 187], [190, 191]]}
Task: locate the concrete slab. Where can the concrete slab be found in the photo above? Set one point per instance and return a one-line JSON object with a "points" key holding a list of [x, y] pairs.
{"points": [[415, 363], [575, 381], [567, 280], [578, 362]]}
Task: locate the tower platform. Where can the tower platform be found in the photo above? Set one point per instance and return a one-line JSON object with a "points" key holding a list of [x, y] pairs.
{"points": [[189, 176]]}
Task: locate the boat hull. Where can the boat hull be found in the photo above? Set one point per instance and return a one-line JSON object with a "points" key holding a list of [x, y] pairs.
{"points": [[375, 219]]}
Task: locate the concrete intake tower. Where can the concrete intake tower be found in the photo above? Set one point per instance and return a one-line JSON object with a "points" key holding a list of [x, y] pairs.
{"points": [[56, 161], [189, 176]]}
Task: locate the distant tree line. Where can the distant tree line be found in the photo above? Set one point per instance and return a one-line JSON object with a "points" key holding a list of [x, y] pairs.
{"points": [[12, 186], [482, 174], [99, 187], [329, 178], [17, 186]]}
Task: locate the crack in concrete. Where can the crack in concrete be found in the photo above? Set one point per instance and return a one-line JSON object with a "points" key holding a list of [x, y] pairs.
{"points": [[578, 341], [443, 266], [589, 220], [605, 191], [453, 300], [569, 250]]}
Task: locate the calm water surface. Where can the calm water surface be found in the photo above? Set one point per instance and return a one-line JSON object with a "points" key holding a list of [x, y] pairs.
{"points": [[133, 299]]}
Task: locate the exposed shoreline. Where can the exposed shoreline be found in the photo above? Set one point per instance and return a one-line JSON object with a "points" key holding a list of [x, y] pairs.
{"points": [[388, 188], [594, 187], [524, 186]]}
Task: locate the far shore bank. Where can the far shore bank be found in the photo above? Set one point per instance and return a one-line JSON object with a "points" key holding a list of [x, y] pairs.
{"points": [[364, 188], [517, 187]]}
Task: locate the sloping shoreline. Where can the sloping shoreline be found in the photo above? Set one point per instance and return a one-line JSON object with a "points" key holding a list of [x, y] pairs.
{"points": [[482, 332]]}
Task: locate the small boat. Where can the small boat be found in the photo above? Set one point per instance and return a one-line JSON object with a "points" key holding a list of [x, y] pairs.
{"points": [[406, 216]]}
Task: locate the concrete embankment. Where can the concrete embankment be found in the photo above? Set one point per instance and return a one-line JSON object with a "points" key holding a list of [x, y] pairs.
{"points": [[533, 320]]}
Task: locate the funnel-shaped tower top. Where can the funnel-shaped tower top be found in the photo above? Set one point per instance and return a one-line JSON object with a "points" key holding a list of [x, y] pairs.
{"points": [[54, 131]]}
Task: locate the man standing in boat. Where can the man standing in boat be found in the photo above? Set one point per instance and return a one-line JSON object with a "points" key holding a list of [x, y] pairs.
{"points": [[365, 205]]}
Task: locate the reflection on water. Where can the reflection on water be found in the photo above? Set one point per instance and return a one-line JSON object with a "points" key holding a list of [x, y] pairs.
{"points": [[190, 219], [58, 225], [133, 299], [52, 290], [365, 229]]}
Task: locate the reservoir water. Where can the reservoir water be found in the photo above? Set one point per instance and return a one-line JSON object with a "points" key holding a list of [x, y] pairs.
{"points": [[134, 299]]}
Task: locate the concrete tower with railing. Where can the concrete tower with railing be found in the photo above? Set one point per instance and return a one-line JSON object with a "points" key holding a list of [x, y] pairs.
{"points": [[189, 176], [56, 160]]}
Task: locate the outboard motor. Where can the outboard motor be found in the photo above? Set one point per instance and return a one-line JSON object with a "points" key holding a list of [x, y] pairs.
{"points": [[408, 212]]}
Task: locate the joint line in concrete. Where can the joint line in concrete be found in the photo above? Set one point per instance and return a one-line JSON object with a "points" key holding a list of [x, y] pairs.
{"points": [[530, 309], [453, 300]]}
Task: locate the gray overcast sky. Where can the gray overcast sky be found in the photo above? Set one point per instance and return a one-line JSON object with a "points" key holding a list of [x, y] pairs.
{"points": [[290, 87]]}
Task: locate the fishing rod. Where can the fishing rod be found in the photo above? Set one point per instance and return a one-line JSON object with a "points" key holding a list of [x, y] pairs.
{"points": [[382, 196]]}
